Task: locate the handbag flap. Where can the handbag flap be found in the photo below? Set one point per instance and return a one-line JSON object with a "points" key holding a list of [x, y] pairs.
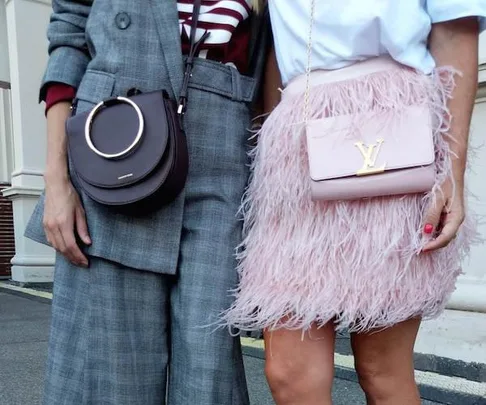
{"points": [[353, 145], [113, 130]]}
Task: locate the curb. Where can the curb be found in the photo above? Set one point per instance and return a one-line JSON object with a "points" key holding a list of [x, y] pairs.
{"points": [[432, 363], [447, 390], [40, 296]]}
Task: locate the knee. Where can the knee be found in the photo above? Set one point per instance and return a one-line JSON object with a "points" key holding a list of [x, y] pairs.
{"points": [[292, 381], [373, 378], [382, 381]]}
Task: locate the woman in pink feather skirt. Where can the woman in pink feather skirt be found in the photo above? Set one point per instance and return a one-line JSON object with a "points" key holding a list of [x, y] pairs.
{"points": [[373, 266]]}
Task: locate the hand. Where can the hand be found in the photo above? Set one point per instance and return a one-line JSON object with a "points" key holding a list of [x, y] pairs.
{"points": [[444, 218], [63, 215]]}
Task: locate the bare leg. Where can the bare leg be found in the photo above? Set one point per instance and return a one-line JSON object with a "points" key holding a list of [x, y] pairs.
{"points": [[384, 363], [300, 367]]}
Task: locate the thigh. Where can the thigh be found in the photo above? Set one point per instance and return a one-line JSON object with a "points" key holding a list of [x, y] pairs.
{"points": [[206, 363], [388, 352], [108, 341]]}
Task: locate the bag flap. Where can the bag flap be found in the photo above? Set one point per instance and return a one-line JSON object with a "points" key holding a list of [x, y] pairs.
{"points": [[352, 145], [112, 131]]}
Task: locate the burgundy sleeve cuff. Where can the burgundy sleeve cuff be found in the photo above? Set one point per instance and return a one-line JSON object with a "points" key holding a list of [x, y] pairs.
{"points": [[57, 92]]}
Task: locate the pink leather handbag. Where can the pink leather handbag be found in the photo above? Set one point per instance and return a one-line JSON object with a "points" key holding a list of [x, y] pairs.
{"points": [[353, 157], [386, 157]]}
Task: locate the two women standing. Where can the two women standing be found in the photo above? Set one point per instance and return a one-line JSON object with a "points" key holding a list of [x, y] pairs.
{"points": [[317, 256]]}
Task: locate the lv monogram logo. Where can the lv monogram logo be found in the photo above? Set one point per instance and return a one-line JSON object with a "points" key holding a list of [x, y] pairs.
{"points": [[370, 154]]}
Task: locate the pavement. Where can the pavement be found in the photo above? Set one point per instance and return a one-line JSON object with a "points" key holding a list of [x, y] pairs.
{"points": [[24, 328]]}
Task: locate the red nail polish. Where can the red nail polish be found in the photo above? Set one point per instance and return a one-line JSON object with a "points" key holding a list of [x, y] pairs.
{"points": [[428, 228]]}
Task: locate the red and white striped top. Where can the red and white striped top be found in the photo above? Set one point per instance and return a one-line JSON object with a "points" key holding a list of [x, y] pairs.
{"points": [[228, 23]]}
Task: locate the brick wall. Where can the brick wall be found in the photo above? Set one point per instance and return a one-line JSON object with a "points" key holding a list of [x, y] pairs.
{"points": [[7, 241]]}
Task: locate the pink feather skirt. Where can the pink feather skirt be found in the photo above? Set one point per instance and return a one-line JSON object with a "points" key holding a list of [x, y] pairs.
{"points": [[354, 263]]}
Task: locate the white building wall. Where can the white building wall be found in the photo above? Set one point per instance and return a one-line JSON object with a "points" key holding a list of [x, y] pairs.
{"points": [[27, 43]]}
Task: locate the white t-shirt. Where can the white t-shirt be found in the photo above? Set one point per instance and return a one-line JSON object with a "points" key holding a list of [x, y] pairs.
{"points": [[347, 31]]}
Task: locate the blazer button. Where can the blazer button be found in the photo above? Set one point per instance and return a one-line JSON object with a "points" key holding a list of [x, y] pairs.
{"points": [[122, 21]]}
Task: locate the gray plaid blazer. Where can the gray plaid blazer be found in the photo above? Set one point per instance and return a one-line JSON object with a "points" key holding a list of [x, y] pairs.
{"points": [[103, 48]]}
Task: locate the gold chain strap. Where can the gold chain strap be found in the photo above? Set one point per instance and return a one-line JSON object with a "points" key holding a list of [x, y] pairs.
{"points": [[309, 57]]}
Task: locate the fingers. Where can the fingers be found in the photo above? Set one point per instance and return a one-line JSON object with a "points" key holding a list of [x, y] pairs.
{"points": [[433, 219], [72, 250], [82, 226], [449, 231], [60, 234], [445, 217], [53, 235]]}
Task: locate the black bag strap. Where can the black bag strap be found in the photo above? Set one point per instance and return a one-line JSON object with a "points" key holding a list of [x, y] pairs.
{"points": [[194, 46], [260, 45], [259, 41]]}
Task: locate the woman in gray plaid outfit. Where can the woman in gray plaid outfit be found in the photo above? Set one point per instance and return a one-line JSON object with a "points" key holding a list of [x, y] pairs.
{"points": [[131, 294]]}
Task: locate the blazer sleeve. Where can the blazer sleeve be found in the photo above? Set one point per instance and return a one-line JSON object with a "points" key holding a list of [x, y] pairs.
{"points": [[57, 92], [68, 51]]}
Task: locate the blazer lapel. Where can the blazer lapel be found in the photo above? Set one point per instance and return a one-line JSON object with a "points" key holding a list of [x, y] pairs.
{"points": [[167, 22]]}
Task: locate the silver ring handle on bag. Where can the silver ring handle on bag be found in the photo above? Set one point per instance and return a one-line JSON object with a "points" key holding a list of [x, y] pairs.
{"points": [[96, 110]]}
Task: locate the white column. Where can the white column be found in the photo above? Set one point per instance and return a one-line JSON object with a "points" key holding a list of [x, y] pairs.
{"points": [[6, 147], [4, 67], [6, 144], [27, 44]]}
